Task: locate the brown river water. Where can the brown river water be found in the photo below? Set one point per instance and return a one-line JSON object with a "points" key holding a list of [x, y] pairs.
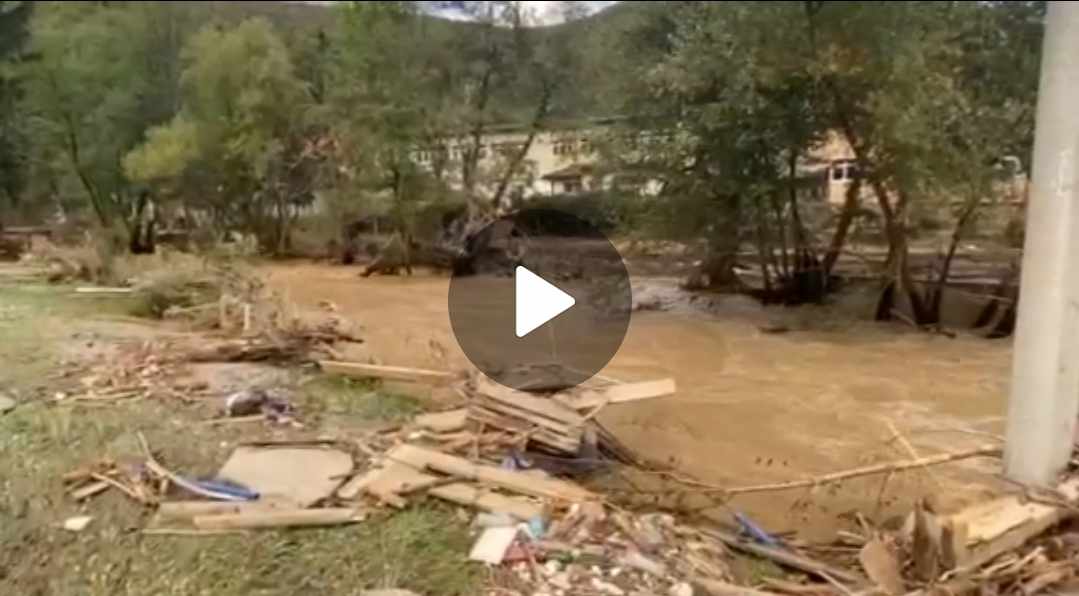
{"points": [[751, 407]]}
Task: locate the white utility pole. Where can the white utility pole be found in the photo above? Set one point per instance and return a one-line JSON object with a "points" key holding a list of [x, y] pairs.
{"points": [[1045, 369]]}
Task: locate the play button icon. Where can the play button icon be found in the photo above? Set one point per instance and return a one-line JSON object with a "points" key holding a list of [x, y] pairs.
{"points": [[540, 300], [537, 301]]}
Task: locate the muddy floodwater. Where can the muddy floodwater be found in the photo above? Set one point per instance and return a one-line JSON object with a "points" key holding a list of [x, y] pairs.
{"points": [[752, 407]]}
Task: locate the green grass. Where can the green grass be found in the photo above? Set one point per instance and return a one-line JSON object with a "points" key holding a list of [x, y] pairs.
{"points": [[355, 401], [423, 548], [34, 320]]}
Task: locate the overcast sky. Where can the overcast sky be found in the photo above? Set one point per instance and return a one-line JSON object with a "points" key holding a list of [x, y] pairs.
{"points": [[542, 12]]}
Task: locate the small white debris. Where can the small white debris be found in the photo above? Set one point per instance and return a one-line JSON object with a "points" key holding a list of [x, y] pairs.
{"points": [[682, 589], [77, 523], [561, 581], [607, 588]]}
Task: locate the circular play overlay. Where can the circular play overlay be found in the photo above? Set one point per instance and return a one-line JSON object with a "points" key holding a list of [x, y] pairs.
{"points": [[544, 300]]}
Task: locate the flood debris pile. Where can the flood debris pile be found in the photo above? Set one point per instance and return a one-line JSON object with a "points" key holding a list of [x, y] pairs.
{"points": [[517, 465]]}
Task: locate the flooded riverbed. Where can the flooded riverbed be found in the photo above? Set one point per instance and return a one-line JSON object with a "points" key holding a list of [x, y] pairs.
{"points": [[751, 406]]}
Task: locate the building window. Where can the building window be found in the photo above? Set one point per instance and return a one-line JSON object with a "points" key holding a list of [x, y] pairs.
{"points": [[571, 185], [844, 171], [563, 148]]}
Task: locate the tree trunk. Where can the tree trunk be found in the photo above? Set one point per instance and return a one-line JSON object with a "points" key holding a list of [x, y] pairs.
{"points": [[936, 296], [846, 218], [518, 157], [717, 270], [899, 277]]}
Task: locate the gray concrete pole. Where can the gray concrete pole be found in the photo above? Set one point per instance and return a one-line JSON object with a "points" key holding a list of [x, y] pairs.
{"points": [[1044, 399]]}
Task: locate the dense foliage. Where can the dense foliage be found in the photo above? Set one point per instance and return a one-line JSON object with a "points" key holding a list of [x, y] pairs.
{"points": [[247, 114]]}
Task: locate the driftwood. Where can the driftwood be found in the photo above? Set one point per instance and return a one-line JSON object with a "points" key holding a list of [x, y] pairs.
{"points": [[360, 370], [525, 484], [277, 519], [785, 558], [395, 478], [253, 351], [885, 468]]}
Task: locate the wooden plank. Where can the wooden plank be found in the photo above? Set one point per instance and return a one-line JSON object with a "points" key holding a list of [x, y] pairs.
{"points": [[191, 509], [104, 291], [469, 495], [397, 477], [569, 430], [441, 422], [988, 530], [583, 399], [540, 406], [90, 490], [550, 488], [278, 519], [527, 419], [359, 370], [359, 484], [539, 434]]}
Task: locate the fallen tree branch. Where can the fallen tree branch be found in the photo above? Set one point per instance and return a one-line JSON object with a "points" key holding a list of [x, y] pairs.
{"points": [[932, 460], [786, 558]]}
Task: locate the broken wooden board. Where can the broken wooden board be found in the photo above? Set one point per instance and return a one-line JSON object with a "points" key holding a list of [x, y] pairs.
{"points": [[537, 433], [278, 519], [394, 478], [103, 290], [521, 483], [441, 422], [784, 557], [584, 399], [304, 476], [546, 421], [191, 509], [984, 531], [90, 490], [359, 370], [542, 408]]}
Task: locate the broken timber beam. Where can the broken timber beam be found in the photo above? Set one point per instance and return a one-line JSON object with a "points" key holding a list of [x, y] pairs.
{"points": [[980, 533], [616, 394], [785, 558], [547, 421], [359, 370], [277, 519], [526, 484], [102, 290], [395, 478]]}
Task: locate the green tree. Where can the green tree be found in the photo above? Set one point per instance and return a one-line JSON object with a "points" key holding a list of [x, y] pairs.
{"points": [[101, 75], [14, 17], [238, 149]]}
